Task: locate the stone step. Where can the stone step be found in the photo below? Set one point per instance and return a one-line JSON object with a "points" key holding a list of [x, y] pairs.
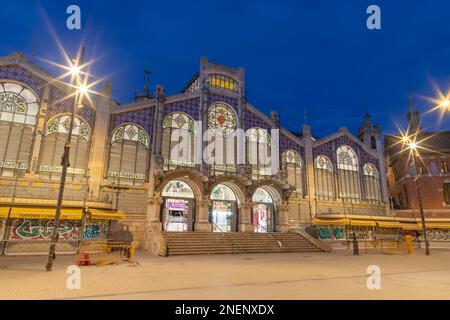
{"points": [[189, 243]]}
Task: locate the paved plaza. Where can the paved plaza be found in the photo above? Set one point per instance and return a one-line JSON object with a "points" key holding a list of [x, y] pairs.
{"points": [[337, 275]]}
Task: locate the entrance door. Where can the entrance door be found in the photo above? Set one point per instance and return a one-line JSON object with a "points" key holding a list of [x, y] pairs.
{"points": [[224, 216], [178, 208], [263, 217], [178, 214], [224, 209]]}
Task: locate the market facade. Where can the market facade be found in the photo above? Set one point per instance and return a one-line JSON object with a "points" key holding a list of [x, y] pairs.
{"points": [[204, 160]]}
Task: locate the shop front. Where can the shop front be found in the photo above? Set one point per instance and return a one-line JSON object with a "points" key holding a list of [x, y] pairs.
{"points": [[224, 213], [28, 229], [178, 207]]}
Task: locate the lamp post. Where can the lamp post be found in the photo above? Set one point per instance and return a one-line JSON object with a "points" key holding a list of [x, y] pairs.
{"points": [[412, 145], [75, 69]]}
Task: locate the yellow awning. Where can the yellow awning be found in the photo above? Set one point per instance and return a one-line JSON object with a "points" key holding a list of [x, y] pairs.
{"points": [[4, 211], [410, 226], [437, 225], [107, 214], [45, 213], [363, 223], [389, 224], [331, 222]]}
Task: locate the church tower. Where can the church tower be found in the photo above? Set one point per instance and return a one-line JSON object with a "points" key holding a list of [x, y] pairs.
{"points": [[413, 116], [370, 134]]}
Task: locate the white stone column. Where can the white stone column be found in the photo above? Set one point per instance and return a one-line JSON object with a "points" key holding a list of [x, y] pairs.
{"points": [[309, 169], [283, 212], [202, 210], [39, 131], [99, 140], [245, 219]]}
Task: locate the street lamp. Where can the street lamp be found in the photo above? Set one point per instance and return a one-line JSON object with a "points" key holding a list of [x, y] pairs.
{"points": [[80, 90], [413, 145]]}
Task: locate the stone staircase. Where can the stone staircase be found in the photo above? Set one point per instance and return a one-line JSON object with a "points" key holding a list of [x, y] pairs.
{"points": [[184, 243]]}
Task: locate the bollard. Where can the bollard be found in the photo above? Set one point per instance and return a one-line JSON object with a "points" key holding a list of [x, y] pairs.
{"points": [[355, 245], [409, 244], [132, 260]]}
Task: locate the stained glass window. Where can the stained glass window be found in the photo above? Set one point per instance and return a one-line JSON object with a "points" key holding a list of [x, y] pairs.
{"points": [[178, 145], [371, 183], [19, 107], [348, 174], [130, 132], [178, 189], [262, 195], [222, 118], [259, 151], [223, 82], [55, 137], [128, 155], [62, 125], [346, 158], [18, 104], [293, 165], [291, 156], [324, 181]]}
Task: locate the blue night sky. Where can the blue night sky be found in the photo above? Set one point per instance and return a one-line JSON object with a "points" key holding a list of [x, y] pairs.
{"points": [[317, 54]]}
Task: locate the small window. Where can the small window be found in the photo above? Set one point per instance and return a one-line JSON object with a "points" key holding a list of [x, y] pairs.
{"points": [[444, 166], [447, 193]]}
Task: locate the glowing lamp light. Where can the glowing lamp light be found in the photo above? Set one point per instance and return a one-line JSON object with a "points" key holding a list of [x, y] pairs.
{"points": [[74, 70], [413, 145], [445, 104], [82, 89]]}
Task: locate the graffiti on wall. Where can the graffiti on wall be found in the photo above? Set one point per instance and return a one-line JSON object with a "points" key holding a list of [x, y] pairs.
{"points": [[26, 229], [95, 229], [438, 234], [331, 233]]}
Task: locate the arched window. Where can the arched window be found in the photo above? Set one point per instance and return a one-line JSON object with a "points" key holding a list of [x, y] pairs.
{"points": [[178, 143], [293, 165], [371, 183], [222, 140], [223, 82], [19, 107], [128, 155], [55, 137], [323, 174], [348, 174], [259, 151]]}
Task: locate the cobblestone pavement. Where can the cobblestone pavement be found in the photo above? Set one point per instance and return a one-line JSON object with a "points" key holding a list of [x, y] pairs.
{"points": [[337, 275]]}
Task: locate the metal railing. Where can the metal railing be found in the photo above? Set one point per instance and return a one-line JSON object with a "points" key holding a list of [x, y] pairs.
{"points": [[271, 233], [224, 235]]}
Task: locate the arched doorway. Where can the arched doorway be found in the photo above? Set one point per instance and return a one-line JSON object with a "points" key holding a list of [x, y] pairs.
{"points": [[263, 213], [224, 213], [178, 208]]}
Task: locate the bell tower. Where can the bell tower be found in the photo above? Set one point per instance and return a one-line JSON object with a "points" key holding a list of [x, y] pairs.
{"points": [[369, 133]]}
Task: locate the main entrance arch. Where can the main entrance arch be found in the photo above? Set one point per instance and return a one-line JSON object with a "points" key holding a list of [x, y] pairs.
{"points": [[263, 212], [179, 206], [224, 209]]}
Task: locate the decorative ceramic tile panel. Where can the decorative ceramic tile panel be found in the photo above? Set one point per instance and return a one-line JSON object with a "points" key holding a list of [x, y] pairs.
{"points": [[232, 101], [59, 104], [191, 107], [14, 72], [287, 143], [142, 117]]}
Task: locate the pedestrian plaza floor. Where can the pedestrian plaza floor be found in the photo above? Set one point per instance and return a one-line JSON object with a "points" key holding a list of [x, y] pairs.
{"points": [[336, 275]]}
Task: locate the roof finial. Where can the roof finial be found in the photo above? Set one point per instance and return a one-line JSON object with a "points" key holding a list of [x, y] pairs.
{"points": [[305, 116], [411, 106]]}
